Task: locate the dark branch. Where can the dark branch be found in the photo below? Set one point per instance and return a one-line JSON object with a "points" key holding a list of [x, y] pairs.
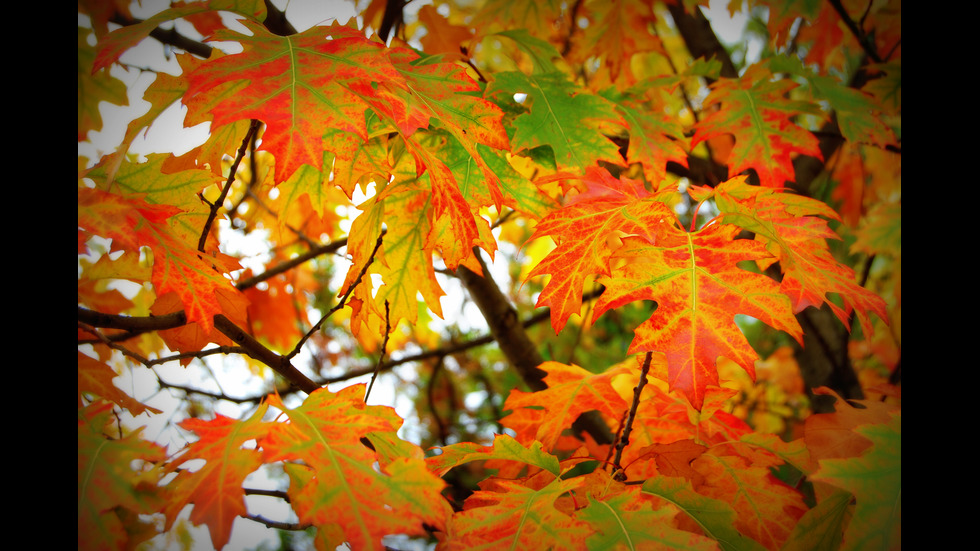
{"points": [[508, 331]]}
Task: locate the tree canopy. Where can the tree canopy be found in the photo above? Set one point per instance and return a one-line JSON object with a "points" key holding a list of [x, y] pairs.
{"points": [[600, 274]]}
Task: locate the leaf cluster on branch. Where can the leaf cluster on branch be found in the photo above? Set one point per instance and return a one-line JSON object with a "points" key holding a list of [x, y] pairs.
{"points": [[714, 237]]}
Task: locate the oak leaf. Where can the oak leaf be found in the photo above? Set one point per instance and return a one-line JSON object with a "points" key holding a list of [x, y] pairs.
{"points": [[715, 517], [178, 266], [507, 514], [766, 509], [698, 286], [755, 110], [336, 485], [95, 376], [503, 448], [215, 489], [116, 481], [585, 232], [794, 231], [315, 91], [628, 521], [569, 120], [874, 478], [571, 391]]}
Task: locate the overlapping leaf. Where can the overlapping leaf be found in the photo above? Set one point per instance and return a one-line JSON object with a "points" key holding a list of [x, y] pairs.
{"points": [[571, 391], [698, 286], [112, 484], [628, 521], [586, 231], [755, 110], [794, 233], [875, 480], [313, 90], [714, 516], [132, 223], [766, 509], [506, 514], [336, 485], [558, 114], [504, 448], [216, 488]]}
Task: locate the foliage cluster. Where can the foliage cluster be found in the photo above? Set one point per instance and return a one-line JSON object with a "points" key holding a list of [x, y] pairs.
{"points": [[714, 236]]}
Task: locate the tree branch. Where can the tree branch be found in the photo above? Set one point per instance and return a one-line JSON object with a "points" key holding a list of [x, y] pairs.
{"points": [[250, 346], [213, 213], [504, 325], [514, 342], [258, 351]]}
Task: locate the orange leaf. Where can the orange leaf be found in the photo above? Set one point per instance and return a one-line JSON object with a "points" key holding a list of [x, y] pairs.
{"points": [[698, 287], [177, 265], [571, 391], [514, 516], [336, 485], [793, 232], [586, 232], [96, 377], [313, 90], [756, 111], [112, 482], [766, 509], [216, 488]]}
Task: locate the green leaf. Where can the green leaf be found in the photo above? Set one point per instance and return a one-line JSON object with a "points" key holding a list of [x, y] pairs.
{"points": [[715, 517], [504, 447], [561, 115], [875, 480]]}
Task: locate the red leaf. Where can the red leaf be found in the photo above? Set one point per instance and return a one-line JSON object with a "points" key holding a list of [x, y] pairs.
{"points": [[755, 110], [695, 280]]}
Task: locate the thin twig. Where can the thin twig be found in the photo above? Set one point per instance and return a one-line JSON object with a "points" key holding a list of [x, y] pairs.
{"points": [[384, 346], [329, 248], [340, 304], [618, 472], [252, 129]]}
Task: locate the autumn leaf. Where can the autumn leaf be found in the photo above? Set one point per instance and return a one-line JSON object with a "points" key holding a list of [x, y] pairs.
{"points": [[114, 44], [875, 480], [95, 377], [675, 459], [627, 521], [794, 231], [766, 509], [443, 37], [510, 515], [628, 21], [714, 516], [338, 487], [177, 265], [695, 280], [586, 232], [571, 391], [753, 108], [822, 527], [654, 140], [94, 87], [215, 489], [504, 448], [858, 113], [313, 93], [556, 112], [114, 484]]}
